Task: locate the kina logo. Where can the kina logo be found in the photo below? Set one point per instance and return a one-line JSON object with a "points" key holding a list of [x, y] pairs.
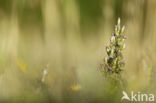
{"points": [[140, 97]]}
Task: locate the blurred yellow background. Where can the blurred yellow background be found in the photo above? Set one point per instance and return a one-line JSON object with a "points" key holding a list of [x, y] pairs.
{"points": [[70, 36]]}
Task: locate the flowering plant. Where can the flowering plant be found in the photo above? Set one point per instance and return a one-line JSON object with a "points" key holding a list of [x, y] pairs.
{"points": [[114, 62]]}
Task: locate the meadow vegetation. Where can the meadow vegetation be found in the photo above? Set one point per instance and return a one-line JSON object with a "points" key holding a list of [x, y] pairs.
{"points": [[50, 50]]}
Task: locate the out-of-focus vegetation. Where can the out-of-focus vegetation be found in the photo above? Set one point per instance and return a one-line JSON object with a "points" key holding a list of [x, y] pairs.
{"points": [[50, 49]]}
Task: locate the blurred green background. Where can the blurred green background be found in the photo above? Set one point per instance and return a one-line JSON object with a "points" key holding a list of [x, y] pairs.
{"points": [[70, 37]]}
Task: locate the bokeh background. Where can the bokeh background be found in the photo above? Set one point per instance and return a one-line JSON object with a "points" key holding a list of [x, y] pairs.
{"points": [[70, 37]]}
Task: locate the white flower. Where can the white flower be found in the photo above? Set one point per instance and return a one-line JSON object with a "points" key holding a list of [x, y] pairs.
{"points": [[45, 73], [112, 39]]}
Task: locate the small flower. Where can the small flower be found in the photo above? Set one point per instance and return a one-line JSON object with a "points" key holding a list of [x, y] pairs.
{"points": [[112, 39], [22, 66], [45, 73], [122, 30], [75, 87]]}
